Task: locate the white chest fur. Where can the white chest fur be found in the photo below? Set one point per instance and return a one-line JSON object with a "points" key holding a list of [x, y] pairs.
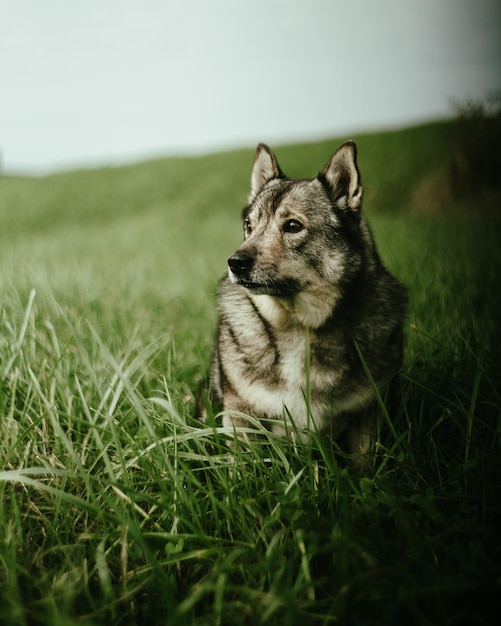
{"points": [[307, 391]]}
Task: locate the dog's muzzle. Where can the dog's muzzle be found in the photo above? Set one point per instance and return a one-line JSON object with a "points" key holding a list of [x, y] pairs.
{"points": [[243, 271]]}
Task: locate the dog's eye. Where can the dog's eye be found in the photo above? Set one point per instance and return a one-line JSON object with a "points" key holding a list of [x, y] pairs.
{"points": [[247, 227], [292, 226]]}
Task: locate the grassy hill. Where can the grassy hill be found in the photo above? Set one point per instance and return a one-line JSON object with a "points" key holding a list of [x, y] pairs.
{"points": [[118, 507]]}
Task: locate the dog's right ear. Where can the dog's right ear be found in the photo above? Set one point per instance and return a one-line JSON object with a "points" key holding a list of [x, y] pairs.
{"points": [[264, 169]]}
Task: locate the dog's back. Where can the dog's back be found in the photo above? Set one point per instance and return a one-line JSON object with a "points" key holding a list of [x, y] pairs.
{"points": [[307, 308]]}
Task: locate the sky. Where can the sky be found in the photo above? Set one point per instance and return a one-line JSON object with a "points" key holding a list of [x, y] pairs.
{"points": [[88, 83]]}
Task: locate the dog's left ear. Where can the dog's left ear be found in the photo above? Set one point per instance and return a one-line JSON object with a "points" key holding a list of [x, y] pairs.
{"points": [[264, 169], [342, 175]]}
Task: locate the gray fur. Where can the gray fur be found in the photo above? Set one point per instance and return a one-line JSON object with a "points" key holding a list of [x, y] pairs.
{"points": [[307, 284]]}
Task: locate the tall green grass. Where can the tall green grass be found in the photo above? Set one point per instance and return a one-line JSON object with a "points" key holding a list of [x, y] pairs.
{"points": [[118, 507]]}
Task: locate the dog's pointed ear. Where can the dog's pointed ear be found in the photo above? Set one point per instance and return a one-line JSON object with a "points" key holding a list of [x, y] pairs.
{"points": [[342, 175], [264, 169]]}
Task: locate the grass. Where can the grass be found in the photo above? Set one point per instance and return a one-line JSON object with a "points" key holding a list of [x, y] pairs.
{"points": [[118, 507]]}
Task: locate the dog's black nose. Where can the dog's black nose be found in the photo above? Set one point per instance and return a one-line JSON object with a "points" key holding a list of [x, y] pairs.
{"points": [[240, 262]]}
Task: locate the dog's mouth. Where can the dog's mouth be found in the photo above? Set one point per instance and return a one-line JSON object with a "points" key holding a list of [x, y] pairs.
{"points": [[280, 288], [259, 288]]}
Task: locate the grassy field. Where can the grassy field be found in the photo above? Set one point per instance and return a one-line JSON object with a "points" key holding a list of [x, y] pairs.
{"points": [[118, 508]]}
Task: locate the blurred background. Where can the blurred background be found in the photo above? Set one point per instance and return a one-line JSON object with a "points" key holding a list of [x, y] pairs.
{"points": [[104, 82]]}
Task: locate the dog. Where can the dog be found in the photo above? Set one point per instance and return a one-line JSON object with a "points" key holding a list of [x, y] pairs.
{"points": [[310, 321]]}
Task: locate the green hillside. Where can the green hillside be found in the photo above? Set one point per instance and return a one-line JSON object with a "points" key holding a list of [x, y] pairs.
{"points": [[119, 508], [141, 247]]}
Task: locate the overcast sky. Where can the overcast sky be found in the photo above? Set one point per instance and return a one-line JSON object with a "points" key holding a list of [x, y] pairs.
{"points": [[96, 82]]}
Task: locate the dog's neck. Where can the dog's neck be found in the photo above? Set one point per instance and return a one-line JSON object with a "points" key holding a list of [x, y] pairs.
{"points": [[309, 309]]}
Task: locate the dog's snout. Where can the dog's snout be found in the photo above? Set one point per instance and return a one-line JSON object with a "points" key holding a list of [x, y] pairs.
{"points": [[240, 262]]}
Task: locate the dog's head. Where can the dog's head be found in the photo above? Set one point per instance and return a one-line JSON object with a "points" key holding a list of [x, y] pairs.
{"points": [[299, 233]]}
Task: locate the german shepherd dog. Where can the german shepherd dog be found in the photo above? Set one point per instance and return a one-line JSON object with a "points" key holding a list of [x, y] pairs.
{"points": [[310, 322]]}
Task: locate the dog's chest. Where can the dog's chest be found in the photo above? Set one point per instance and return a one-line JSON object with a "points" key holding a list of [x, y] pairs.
{"points": [[305, 385], [300, 366], [282, 367], [293, 352]]}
